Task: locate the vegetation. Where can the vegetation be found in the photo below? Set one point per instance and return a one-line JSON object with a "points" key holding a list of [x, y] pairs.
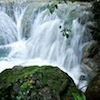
{"points": [[52, 7], [37, 83], [66, 32], [46, 82]]}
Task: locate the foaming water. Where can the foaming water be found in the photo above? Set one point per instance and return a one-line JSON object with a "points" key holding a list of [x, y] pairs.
{"points": [[36, 38]]}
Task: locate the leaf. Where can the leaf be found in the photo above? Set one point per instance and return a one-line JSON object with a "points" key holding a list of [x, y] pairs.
{"points": [[76, 96]]}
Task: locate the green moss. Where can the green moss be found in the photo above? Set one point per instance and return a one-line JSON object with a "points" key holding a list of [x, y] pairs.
{"points": [[35, 83], [11, 75]]}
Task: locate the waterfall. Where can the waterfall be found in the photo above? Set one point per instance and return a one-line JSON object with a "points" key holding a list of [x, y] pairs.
{"points": [[35, 36]]}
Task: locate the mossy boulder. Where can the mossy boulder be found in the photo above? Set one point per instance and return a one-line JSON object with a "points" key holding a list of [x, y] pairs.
{"points": [[37, 83]]}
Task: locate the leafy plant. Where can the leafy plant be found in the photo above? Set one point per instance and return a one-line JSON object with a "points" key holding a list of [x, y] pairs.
{"points": [[66, 32], [52, 7], [76, 96]]}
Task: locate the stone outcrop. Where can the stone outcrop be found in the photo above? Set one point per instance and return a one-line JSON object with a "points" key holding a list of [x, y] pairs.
{"points": [[93, 90], [92, 56], [37, 83], [91, 49], [96, 12]]}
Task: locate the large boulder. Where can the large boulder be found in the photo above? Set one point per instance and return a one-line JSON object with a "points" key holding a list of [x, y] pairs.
{"points": [[93, 90], [37, 83]]}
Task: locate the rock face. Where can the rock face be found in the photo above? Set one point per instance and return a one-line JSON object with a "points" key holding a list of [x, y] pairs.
{"points": [[93, 90], [37, 83], [91, 58], [96, 11], [91, 49], [91, 54]]}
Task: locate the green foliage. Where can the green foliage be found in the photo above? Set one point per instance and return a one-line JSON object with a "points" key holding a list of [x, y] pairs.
{"points": [[65, 32], [59, 1], [73, 0], [76, 96], [52, 7]]}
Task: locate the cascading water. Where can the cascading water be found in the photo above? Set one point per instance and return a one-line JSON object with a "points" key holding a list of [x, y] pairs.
{"points": [[34, 36]]}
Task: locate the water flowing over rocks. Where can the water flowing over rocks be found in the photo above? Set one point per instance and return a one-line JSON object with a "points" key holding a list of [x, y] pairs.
{"points": [[39, 35], [40, 39]]}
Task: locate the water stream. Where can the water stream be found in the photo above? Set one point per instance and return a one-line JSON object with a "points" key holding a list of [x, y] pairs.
{"points": [[34, 36]]}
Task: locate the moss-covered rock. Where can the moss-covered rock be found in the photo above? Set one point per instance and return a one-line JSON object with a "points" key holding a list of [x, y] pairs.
{"points": [[37, 83]]}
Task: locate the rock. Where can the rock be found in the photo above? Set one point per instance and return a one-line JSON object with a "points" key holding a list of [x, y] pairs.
{"points": [[96, 12], [17, 67], [91, 63], [92, 25], [91, 59], [93, 90], [84, 18], [91, 49], [37, 83]]}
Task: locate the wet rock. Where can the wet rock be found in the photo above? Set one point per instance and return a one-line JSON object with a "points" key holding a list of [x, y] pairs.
{"points": [[93, 90], [17, 67], [91, 59], [92, 25], [91, 63], [85, 17], [91, 49]]}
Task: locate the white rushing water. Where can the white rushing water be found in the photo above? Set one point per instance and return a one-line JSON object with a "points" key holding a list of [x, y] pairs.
{"points": [[34, 36]]}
